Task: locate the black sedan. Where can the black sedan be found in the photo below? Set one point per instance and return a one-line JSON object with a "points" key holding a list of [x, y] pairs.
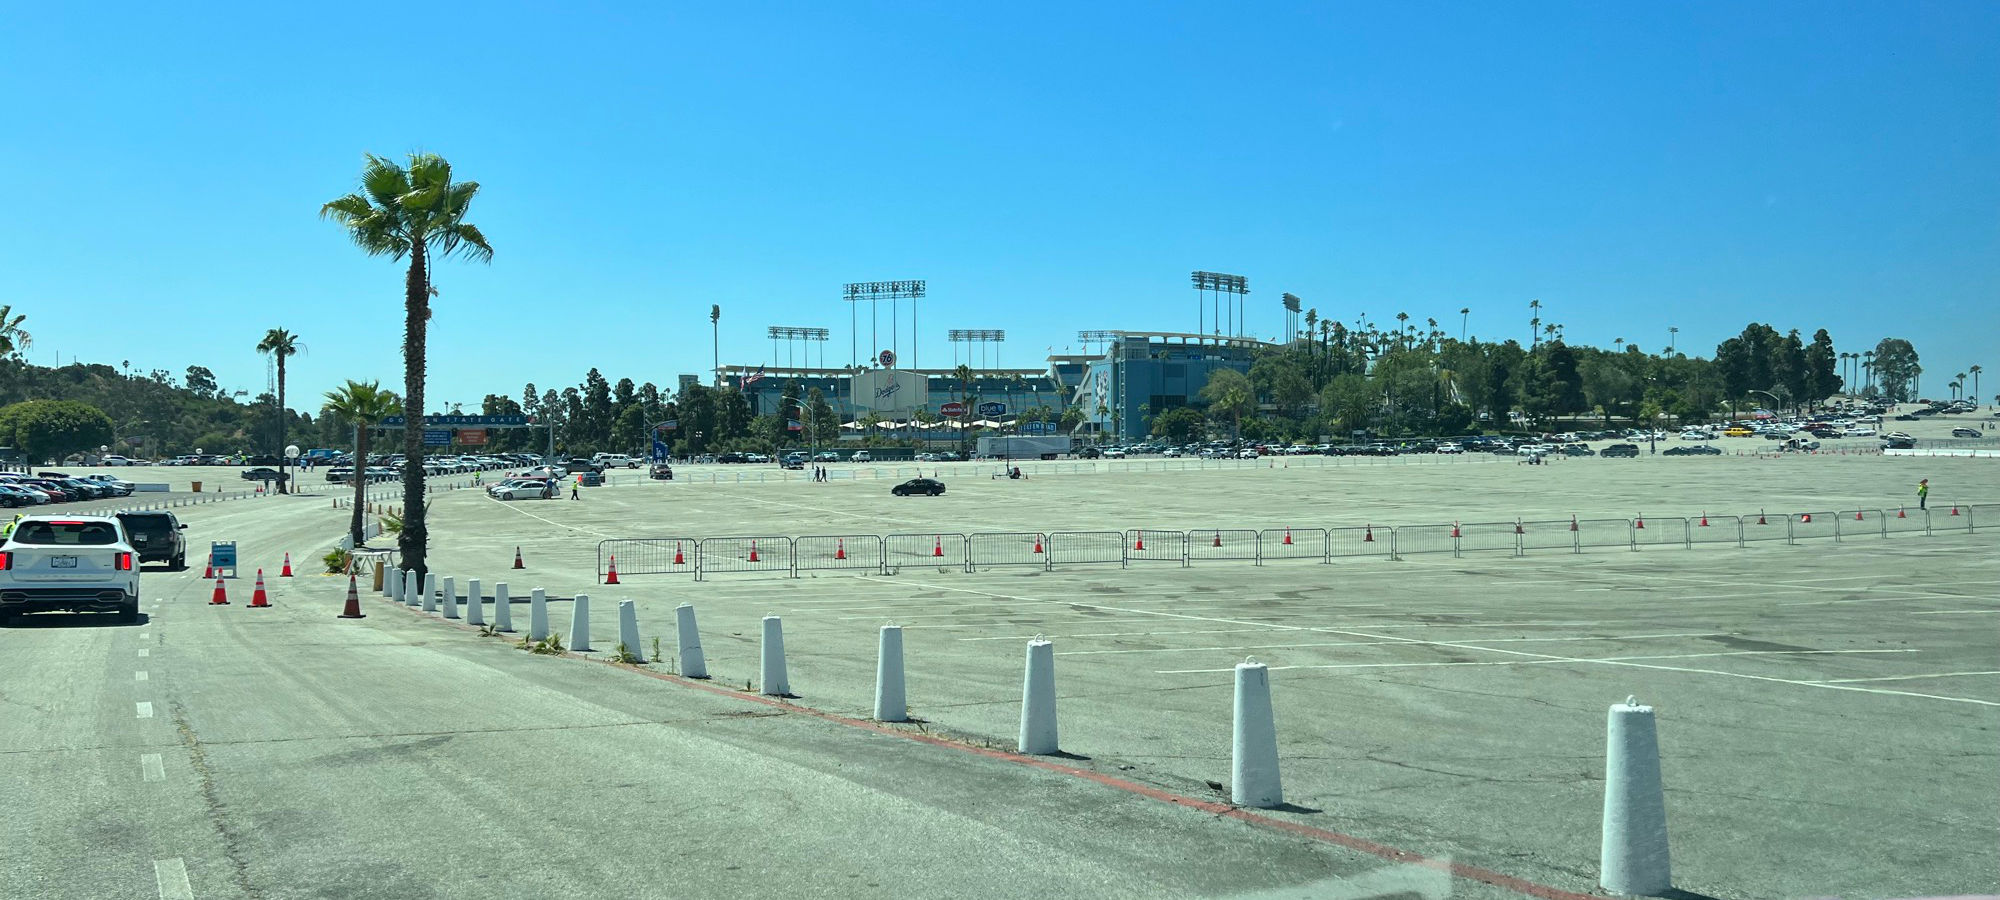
{"points": [[1693, 450], [930, 486], [265, 474]]}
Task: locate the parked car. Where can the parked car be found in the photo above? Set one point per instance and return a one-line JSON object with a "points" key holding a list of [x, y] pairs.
{"points": [[264, 474], [1695, 450], [826, 456], [1966, 432], [119, 487], [1620, 451], [156, 537], [522, 489], [928, 486], [861, 456], [591, 479], [73, 563], [13, 496]]}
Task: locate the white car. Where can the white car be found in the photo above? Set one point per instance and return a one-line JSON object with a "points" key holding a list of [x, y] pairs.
{"points": [[1247, 453], [1114, 453], [116, 461], [1860, 431], [1692, 435], [520, 489], [1450, 447], [74, 563]]}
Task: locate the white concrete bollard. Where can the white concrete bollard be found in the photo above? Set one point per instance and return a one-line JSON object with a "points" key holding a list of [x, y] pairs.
{"points": [[1253, 750], [628, 629], [579, 623], [538, 615], [448, 604], [773, 659], [1633, 856], [430, 592], [693, 663], [1038, 699], [475, 613], [410, 586], [392, 583], [503, 614], [890, 703]]}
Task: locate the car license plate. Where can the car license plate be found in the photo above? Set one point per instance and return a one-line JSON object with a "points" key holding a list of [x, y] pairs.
{"points": [[138, 539], [62, 562]]}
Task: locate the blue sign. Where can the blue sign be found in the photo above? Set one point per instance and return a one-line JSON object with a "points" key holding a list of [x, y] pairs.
{"points": [[992, 409], [660, 451], [437, 437], [432, 421], [222, 554], [1037, 428]]}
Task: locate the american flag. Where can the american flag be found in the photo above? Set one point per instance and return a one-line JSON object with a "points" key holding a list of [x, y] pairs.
{"points": [[754, 377]]}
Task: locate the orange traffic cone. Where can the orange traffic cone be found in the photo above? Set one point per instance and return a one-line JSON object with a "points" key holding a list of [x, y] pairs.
{"points": [[353, 610], [840, 552], [936, 549], [1368, 535], [1805, 517], [679, 560], [1901, 513], [1857, 515], [286, 572], [1639, 523], [753, 551], [1517, 527], [221, 595], [1038, 543], [1139, 543], [518, 564], [1572, 522], [260, 600], [1760, 518], [1218, 539], [1288, 537], [1454, 529], [1954, 509], [208, 568], [1704, 518], [611, 577]]}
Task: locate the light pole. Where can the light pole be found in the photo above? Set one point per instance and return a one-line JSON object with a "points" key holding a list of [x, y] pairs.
{"points": [[715, 335]]}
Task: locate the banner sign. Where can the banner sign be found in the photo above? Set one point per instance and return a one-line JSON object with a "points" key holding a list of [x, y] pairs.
{"points": [[953, 409], [482, 421], [992, 409], [472, 437], [437, 437]]}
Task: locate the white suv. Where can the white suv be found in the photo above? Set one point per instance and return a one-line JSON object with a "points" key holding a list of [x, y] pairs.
{"points": [[75, 563]]}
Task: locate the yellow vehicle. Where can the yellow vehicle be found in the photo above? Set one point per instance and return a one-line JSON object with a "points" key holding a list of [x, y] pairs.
{"points": [[1737, 431]]}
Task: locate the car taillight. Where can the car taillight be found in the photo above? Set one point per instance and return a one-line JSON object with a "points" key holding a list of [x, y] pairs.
{"points": [[6, 562], [124, 562]]}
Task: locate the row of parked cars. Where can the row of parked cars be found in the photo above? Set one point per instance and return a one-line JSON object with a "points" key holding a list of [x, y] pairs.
{"points": [[21, 489]]}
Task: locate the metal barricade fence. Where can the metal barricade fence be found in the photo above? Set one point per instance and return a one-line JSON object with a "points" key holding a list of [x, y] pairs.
{"points": [[1660, 532], [745, 554], [648, 556], [934, 549], [1279, 544], [1766, 526], [1358, 542], [1151, 545], [1551, 535], [1955, 517], [1490, 536], [837, 551], [1415, 539], [1813, 525], [1715, 530], [1007, 548], [1598, 533], [1905, 521], [1221, 543], [1982, 515], [1863, 523], [1077, 547]]}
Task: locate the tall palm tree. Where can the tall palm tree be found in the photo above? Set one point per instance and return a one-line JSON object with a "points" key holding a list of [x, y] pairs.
{"points": [[12, 339], [1960, 383], [1402, 322], [1464, 316], [418, 212], [281, 345], [1534, 323], [1867, 369], [1974, 370], [365, 405]]}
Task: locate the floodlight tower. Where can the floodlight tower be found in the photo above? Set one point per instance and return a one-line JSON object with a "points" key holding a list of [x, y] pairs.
{"points": [[1223, 285], [981, 336], [892, 291], [1292, 305]]}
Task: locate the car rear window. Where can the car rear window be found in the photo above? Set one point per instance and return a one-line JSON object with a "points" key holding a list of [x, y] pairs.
{"points": [[69, 534]]}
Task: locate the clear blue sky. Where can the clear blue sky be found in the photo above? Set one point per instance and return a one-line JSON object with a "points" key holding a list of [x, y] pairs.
{"points": [[1046, 168]]}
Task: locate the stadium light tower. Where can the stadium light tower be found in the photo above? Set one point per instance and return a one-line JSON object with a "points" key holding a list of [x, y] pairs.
{"points": [[792, 334], [980, 336], [1292, 305], [892, 291], [1223, 285]]}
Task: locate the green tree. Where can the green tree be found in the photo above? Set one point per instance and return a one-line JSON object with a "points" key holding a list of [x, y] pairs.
{"points": [[1229, 393], [821, 421], [1182, 424], [202, 381], [1350, 401], [12, 339], [364, 405], [49, 430], [1896, 368], [594, 432], [418, 212], [281, 345], [1822, 369]]}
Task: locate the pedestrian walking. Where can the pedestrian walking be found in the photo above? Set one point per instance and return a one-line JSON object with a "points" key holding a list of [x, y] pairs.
{"points": [[573, 486], [1923, 493]]}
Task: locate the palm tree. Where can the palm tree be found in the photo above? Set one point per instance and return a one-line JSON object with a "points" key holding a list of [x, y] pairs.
{"points": [[1960, 383], [1534, 323], [1312, 318], [1975, 370], [281, 345], [1464, 316], [1868, 369], [12, 339], [365, 405], [1402, 322], [417, 212]]}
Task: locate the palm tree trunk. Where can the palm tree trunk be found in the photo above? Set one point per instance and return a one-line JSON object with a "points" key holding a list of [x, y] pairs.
{"points": [[360, 478], [416, 311], [283, 476]]}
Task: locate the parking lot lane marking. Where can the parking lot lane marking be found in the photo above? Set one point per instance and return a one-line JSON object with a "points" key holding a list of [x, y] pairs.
{"points": [[145, 709], [1902, 677], [150, 767], [1944, 612], [1557, 660], [1100, 634], [1589, 590], [505, 505], [1615, 637], [171, 875], [143, 635], [141, 675], [836, 512], [144, 652]]}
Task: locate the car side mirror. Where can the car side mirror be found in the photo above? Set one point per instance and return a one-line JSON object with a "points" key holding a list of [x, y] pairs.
{"points": [[182, 527]]}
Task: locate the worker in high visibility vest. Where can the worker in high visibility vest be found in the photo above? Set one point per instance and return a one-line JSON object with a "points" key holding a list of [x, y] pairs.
{"points": [[7, 530]]}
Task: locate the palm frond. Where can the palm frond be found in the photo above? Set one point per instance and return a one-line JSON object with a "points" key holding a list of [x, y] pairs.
{"points": [[384, 182]]}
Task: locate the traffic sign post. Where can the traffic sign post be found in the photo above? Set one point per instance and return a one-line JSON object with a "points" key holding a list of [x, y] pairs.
{"points": [[222, 555]]}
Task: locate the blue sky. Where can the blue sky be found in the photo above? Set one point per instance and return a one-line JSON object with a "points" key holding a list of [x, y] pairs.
{"points": [[1046, 168]]}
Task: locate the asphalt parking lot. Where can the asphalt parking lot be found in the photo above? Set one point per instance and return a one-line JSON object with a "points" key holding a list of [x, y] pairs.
{"points": [[1827, 709]]}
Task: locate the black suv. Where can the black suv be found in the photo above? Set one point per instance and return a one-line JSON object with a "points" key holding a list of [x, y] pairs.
{"points": [[157, 537], [1620, 450]]}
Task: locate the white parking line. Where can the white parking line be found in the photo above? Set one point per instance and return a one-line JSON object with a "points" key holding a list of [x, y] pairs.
{"points": [[1901, 677], [150, 767], [1618, 637], [1954, 612], [143, 635], [145, 709], [1543, 662], [171, 875], [144, 652], [141, 675], [505, 505]]}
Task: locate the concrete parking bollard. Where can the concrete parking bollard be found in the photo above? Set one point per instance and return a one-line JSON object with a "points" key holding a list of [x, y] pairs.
{"points": [[392, 583], [773, 659], [579, 623], [410, 587], [890, 703], [475, 612], [503, 615], [430, 592], [1038, 699], [1253, 756], [1633, 856], [693, 663], [538, 615], [628, 630], [448, 603]]}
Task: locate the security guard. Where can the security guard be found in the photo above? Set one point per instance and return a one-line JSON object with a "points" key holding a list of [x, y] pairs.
{"points": [[7, 530]]}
